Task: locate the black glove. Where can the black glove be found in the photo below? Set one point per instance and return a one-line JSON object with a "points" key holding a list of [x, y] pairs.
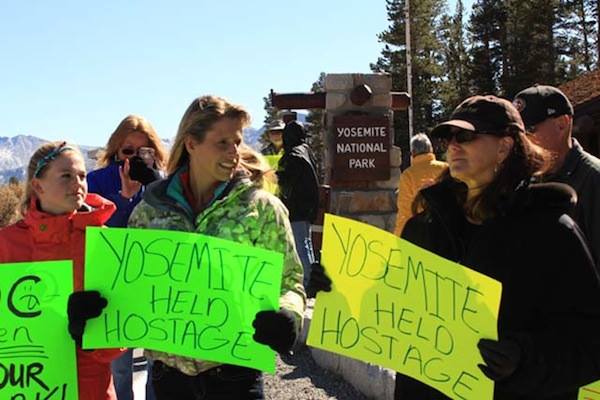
{"points": [[501, 358], [81, 307], [276, 329], [139, 171], [317, 281]]}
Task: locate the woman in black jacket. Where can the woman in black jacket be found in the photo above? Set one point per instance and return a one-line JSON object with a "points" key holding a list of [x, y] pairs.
{"points": [[486, 214]]}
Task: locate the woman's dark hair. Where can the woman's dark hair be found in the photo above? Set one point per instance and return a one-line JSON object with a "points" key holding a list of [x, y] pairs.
{"points": [[525, 161]]}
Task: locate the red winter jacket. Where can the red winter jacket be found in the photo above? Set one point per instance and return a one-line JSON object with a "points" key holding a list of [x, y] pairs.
{"points": [[44, 237]]}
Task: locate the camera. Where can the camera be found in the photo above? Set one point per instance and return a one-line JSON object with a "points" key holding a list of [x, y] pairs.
{"points": [[140, 171]]}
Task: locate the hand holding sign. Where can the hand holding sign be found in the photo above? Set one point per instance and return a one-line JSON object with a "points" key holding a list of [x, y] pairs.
{"points": [[276, 329], [81, 307], [318, 281], [501, 358]]}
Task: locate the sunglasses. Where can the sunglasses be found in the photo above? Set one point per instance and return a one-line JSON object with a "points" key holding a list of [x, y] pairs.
{"points": [[460, 136], [143, 152]]}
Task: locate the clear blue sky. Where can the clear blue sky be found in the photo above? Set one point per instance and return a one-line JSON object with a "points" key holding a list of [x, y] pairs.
{"points": [[73, 69]]}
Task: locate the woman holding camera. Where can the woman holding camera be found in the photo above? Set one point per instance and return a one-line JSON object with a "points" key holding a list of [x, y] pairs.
{"points": [[134, 157]]}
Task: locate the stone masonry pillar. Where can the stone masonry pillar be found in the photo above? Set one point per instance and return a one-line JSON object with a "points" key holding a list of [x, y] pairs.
{"points": [[372, 201]]}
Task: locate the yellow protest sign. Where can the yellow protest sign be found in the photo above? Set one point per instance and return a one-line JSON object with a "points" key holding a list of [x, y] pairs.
{"points": [[589, 392], [405, 308], [273, 160], [181, 293]]}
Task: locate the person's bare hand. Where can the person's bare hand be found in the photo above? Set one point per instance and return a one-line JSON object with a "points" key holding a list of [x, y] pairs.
{"points": [[129, 187]]}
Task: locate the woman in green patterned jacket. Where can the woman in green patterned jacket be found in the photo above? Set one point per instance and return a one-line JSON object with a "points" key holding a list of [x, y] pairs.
{"points": [[214, 187]]}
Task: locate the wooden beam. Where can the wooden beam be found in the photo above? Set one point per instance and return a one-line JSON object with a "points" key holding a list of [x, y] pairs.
{"points": [[400, 101], [306, 101], [298, 101]]}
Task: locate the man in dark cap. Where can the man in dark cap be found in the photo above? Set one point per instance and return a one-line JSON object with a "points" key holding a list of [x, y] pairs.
{"points": [[548, 116], [299, 190]]}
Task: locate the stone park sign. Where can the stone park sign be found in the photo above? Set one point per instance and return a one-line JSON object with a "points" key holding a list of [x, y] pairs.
{"points": [[361, 165], [361, 148]]}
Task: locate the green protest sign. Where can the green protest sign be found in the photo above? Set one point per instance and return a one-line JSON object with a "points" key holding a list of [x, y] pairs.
{"points": [[181, 293], [402, 307], [37, 355]]}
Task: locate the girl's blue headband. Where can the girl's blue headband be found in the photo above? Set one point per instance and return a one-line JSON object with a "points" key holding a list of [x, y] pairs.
{"points": [[42, 163]]}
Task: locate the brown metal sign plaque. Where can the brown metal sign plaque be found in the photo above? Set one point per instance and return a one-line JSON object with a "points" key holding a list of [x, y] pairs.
{"points": [[361, 150]]}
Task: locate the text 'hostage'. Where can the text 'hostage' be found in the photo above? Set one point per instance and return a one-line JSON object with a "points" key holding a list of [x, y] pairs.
{"points": [[402, 307], [37, 355], [181, 293]]}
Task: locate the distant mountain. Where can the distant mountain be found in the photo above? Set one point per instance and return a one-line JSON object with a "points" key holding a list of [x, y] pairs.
{"points": [[17, 173], [16, 151], [252, 135]]}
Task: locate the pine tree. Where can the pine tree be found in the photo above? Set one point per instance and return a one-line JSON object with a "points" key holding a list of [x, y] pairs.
{"points": [[516, 44], [587, 28], [271, 114], [575, 33], [455, 87], [530, 52], [427, 59], [596, 12], [594, 15], [587, 19], [486, 32], [315, 127]]}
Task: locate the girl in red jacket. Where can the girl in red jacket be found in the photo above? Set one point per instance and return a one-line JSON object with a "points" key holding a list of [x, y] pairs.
{"points": [[55, 212]]}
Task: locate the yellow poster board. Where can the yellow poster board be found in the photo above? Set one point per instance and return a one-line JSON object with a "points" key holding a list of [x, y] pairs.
{"points": [[402, 307], [590, 392], [273, 161]]}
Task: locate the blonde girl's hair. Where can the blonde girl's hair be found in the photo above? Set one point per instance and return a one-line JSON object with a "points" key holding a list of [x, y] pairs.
{"points": [[259, 170], [131, 124], [38, 165], [199, 117]]}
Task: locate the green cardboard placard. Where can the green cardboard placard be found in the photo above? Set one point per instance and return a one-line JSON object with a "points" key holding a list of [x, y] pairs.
{"points": [[181, 293], [402, 307], [37, 355]]}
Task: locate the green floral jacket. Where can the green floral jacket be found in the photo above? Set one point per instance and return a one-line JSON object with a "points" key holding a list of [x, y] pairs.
{"points": [[240, 212]]}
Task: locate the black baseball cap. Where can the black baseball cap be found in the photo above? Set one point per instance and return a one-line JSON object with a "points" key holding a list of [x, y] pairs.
{"points": [[540, 102], [484, 114]]}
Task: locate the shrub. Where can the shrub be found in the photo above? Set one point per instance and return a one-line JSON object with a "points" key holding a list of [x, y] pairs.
{"points": [[10, 197]]}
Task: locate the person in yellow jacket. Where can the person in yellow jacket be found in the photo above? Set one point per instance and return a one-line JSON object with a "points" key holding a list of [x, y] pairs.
{"points": [[424, 169]]}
